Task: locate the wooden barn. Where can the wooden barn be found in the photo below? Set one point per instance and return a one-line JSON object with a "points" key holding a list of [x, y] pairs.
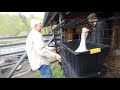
{"points": [[72, 32]]}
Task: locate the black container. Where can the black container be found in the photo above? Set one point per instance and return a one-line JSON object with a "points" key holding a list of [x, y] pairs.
{"points": [[82, 65]]}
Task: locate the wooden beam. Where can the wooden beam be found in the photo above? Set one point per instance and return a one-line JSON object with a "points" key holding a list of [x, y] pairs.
{"points": [[17, 64], [45, 18], [54, 14]]}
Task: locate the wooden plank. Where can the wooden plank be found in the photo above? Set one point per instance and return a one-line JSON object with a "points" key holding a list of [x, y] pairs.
{"points": [[18, 63], [52, 17]]}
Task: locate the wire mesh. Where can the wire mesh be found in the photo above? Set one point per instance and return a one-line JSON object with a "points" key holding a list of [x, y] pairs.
{"points": [[106, 32]]}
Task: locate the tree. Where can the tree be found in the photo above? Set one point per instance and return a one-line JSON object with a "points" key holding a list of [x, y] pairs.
{"points": [[11, 25], [14, 25]]}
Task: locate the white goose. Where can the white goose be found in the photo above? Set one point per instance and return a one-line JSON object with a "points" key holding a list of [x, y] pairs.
{"points": [[82, 46]]}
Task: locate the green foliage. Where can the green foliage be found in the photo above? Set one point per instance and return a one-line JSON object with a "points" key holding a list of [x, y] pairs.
{"points": [[38, 75], [9, 25], [57, 71], [15, 25]]}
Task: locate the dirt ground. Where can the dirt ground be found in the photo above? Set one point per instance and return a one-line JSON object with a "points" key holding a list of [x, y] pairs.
{"points": [[26, 75], [113, 65]]}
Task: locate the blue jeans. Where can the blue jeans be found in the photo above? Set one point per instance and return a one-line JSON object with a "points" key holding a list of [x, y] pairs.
{"points": [[45, 71]]}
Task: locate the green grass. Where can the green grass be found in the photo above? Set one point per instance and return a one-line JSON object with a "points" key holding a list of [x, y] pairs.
{"points": [[56, 71]]}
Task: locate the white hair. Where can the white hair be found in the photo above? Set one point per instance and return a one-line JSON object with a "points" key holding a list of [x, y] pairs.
{"points": [[33, 22]]}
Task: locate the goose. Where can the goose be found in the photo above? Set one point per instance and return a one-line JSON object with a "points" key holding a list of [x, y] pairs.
{"points": [[82, 45]]}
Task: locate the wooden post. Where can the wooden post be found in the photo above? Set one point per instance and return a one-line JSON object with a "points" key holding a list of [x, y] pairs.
{"points": [[60, 20], [51, 25], [18, 63], [1, 76]]}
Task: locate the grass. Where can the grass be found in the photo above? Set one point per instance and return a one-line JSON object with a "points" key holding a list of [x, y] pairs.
{"points": [[56, 71]]}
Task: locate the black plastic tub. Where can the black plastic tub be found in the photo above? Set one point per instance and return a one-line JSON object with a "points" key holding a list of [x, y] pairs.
{"points": [[85, 64]]}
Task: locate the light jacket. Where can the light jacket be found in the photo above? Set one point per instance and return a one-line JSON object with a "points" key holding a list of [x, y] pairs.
{"points": [[37, 52]]}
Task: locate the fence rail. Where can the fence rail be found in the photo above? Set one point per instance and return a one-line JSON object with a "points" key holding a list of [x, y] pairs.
{"points": [[18, 38], [21, 53]]}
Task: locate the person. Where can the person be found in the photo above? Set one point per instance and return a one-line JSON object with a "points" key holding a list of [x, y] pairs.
{"points": [[101, 32], [37, 52]]}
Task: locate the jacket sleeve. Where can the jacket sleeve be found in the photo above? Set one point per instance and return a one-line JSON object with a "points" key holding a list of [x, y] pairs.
{"points": [[103, 32], [50, 48], [41, 48]]}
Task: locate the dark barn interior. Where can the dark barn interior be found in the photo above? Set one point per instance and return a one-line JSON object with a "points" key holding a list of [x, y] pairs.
{"points": [[69, 27]]}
